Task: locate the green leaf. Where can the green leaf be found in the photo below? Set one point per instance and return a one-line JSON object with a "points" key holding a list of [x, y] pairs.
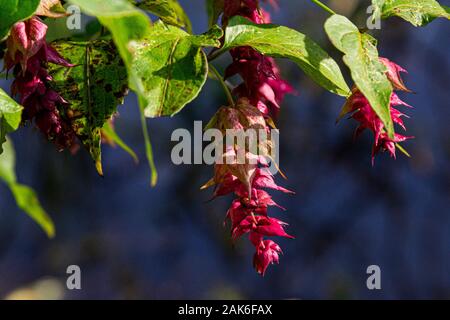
{"points": [[127, 24], [25, 197], [10, 116], [173, 67], [109, 132], [417, 12], [169, 11], [214, 9], [361, 56], [7, 163], [211, 38], [13, 11], [283, 42], [93, 88]]}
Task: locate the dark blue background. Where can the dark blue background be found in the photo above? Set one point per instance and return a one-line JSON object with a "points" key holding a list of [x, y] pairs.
{"points": [[132, 241]]}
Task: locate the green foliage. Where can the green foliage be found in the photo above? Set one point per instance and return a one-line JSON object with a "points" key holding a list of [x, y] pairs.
{"points": [[361, 56], [12, 11], [167, 67], [214, 9], [10, 116], [94, 88], [283, 42], [173, 67], [417, 12], [26, 198], [126, 24], [169, 11]]}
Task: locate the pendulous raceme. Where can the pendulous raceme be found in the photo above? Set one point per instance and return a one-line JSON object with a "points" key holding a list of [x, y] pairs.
{"points": [[28, 55]]}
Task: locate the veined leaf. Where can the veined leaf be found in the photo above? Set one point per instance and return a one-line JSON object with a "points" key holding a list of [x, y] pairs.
{"points": [[283, 42], [10, 116], [173, 67], [170, 11], [26, 198], [13, 11], [417, 12], [127, 24], [93, 88], [361, 56]]}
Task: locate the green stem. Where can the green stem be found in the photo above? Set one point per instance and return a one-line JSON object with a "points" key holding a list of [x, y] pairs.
{"points": [[224, 85], [323, 6], [148, 149], [215, 54]]}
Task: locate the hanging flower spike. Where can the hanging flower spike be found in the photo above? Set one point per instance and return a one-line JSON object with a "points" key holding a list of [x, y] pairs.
{"points": [[361, 110], [260, 95], [28, 53]]}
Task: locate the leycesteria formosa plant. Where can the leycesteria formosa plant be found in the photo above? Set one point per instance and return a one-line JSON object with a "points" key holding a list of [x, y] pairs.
{"points": [[69, 87]]}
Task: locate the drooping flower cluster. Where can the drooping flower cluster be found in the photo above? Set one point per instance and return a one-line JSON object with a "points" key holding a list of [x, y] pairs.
{"points": [[361, 111], [260, 95], [262, 83], [28, 54]]}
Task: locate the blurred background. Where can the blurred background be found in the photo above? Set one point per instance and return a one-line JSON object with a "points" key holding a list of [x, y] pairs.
{"points": [[132, 241]]}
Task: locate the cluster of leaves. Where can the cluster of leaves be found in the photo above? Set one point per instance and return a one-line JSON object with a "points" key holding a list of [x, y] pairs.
{"points": [[167, 66]]}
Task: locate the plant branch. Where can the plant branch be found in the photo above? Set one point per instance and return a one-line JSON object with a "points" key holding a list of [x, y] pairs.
{"points": [[224, 85], [148, 148], [323, 6], [215, 54]]}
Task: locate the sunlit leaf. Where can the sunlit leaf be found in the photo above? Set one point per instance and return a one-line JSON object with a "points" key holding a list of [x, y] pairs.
{"points": [[10, 116], [361, 56], [283, 42]]}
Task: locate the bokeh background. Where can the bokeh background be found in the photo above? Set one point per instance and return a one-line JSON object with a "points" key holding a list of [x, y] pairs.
{"points": [[132, 241]]}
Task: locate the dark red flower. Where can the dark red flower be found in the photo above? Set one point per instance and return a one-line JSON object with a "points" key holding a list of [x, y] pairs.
{"points": [[267, 252], [361, 110], [28, 53], [260, 95]]}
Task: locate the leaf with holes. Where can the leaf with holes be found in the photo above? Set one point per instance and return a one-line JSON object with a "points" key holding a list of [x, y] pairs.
{"points": [[94, 88], [417, 12], [126, 24]]}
